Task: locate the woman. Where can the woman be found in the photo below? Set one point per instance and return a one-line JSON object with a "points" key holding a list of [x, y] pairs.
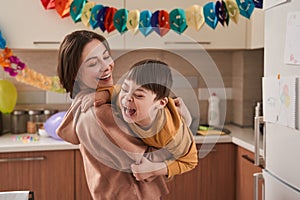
{"points": [[106, 145]]}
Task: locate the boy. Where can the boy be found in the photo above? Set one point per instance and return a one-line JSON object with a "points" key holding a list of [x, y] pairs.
{"points": [[144, 103]]}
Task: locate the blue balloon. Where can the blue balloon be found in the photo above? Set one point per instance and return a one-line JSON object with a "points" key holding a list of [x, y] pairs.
{"points": [[52, 123]]}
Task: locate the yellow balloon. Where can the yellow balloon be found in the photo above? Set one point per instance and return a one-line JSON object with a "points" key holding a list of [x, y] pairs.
{"points": [[8, 96]]}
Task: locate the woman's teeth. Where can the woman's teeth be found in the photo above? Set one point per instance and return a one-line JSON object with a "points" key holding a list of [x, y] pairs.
{"points": [[105, 77]]}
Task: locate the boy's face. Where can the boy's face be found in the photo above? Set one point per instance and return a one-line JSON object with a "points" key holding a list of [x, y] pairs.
{"points": [[138, 104]]}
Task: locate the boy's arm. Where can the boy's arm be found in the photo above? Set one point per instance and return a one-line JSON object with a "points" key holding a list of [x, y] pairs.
{"points": [[183, 110], [184, 150]]}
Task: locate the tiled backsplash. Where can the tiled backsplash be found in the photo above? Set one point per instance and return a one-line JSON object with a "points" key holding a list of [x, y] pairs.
{"points": [[240, 70]]}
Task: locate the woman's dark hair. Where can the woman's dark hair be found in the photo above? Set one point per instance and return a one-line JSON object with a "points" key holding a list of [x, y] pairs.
{"points": [[152, 75], [69, 57]]}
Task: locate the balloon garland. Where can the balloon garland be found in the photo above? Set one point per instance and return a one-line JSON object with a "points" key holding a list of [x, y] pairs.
{"points": [[16, 68], [109, 18]]}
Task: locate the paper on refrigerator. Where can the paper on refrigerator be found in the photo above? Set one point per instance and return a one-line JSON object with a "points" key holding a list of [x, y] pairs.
{"points": [[280, 101]]}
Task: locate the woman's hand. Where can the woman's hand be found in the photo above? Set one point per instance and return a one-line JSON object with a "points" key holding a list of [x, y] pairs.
{"points": [[183, 110], [87, 101], [146, 170]]}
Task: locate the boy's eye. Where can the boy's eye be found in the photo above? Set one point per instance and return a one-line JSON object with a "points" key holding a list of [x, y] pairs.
{"points": [[124, 90], [138, 95]]}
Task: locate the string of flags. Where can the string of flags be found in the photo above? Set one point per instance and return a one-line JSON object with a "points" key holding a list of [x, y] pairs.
{"points": [[161, 21]]}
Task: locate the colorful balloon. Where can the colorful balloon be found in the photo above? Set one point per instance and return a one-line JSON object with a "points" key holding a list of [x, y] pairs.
{"points": [[109, 19], [52, 123], [8, 96]]}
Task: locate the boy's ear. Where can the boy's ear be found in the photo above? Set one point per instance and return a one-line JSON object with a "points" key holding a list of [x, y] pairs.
{"points": [[164, 101]]}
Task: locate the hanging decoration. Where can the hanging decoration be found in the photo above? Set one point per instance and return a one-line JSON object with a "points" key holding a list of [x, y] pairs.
{"points": [[18, 69], [160, 21]]}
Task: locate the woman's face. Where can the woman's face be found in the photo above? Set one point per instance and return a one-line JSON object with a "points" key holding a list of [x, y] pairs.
{"points": [[96, 68]]}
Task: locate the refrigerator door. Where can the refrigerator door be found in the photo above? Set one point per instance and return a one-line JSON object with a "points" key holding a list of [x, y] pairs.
{"points": [[276, 189], [282, 153]]}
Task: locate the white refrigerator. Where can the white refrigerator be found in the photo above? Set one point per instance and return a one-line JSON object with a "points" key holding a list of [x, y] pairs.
{"points": [[282, 143]]}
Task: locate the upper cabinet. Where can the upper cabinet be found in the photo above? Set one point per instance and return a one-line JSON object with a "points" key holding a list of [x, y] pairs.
{"points": [[27, 25]]}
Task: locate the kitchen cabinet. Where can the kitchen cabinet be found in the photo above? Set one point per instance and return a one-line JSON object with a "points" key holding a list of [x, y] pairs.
{"points": [[27, 25], [212, 179], [245, 169], [49, 174]]}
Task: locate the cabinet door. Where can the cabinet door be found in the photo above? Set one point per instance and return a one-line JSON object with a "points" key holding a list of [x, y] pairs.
{"points": [[212, 179], [81, 188], [27, 25], [49, 174], [255, 30], [231, 37], [245, 169]]}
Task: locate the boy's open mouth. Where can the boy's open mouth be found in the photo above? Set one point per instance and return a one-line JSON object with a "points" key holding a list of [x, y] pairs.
{"points": [[129, 111]]}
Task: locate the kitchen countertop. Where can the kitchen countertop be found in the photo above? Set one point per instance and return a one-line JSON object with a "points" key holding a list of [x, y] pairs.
{"points": [[243, 137]]}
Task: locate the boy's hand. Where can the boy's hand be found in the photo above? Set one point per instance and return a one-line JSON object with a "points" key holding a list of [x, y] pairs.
{"points": [[183, 110], [147, 169], [87, 102], [101, 98]]}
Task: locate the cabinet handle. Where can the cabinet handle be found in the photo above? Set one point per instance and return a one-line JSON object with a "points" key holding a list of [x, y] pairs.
{"points": [[257, 177], [46, 42], [207, 43], [258, 160], [22, 159], [246, 157]]}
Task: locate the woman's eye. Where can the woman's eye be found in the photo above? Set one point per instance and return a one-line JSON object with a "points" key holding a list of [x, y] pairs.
{"points": [[93, 63]]}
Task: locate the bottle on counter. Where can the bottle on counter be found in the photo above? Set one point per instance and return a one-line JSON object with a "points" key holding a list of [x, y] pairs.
{"points": [[214, 110]]}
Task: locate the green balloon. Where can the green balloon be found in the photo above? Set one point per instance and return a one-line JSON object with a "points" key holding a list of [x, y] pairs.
{"points": [[8, 96]]}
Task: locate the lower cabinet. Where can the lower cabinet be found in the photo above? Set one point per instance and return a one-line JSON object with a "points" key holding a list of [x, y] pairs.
{"points": [[245, 169], [49, 174], [212, 179]]}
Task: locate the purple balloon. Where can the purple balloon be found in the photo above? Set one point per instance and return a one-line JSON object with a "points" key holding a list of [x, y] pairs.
{"points": [[52, 123]]}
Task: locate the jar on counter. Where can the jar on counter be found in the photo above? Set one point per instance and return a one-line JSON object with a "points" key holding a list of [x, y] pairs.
{"points": [[18, 121], [48, 112], [34, 120]]}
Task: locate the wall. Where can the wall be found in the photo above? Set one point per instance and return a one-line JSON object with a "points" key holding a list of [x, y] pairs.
{"points": [[240, 70]]}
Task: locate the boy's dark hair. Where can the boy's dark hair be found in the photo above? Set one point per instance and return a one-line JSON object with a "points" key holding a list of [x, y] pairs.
{"points": [[69, 57], [152, 75]]}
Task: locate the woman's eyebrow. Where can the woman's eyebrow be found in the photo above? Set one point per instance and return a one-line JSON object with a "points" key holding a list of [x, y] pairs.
{"points": [[90, 58]]}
